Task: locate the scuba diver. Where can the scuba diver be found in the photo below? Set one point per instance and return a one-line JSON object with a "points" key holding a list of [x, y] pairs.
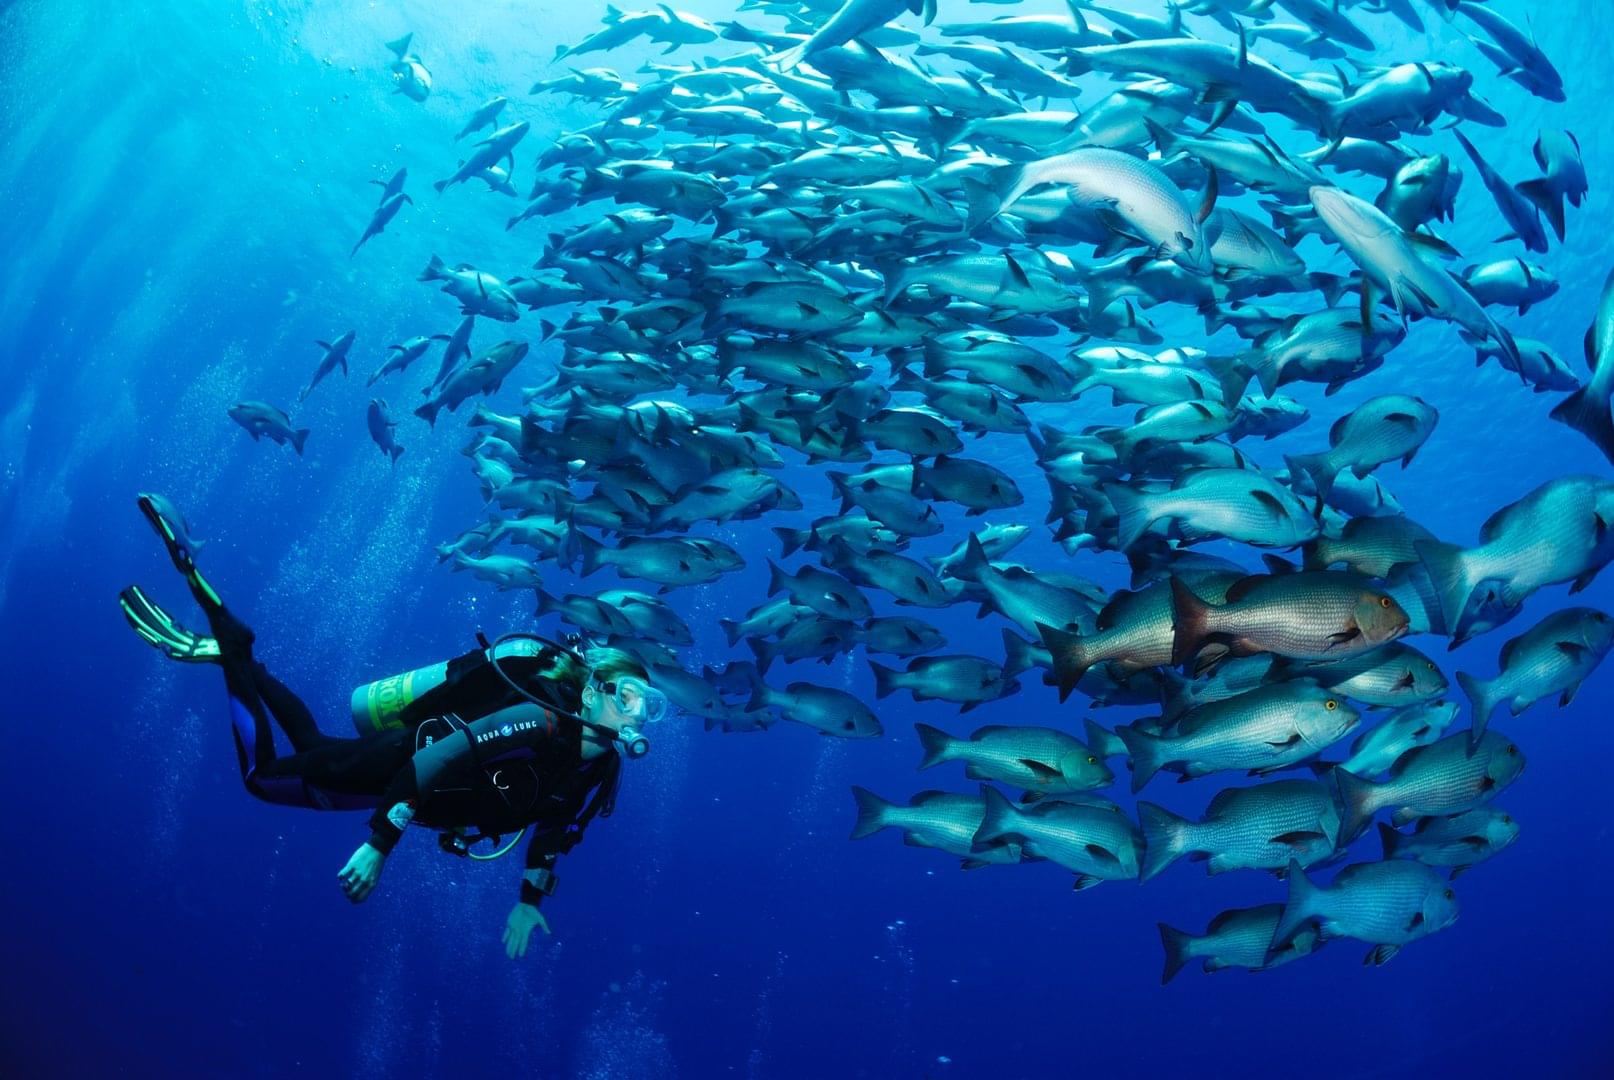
{"points": [[523, 733]]}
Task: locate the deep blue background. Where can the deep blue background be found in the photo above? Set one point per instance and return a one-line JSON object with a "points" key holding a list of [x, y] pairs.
{"points": [[179, 187]]}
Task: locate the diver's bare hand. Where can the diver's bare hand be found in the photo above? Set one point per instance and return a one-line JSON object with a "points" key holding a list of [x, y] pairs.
{"points": [[518, 929], [358, 878]]}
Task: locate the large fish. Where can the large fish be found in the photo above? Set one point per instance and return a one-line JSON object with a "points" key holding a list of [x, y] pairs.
{"points": [[1587, 410], [1383, 429], [1458, 841], [1240, 938], [935, 819], [1448, 776], [1312, 615], [1553, 657], [1269, 728], [1378, 748], [1386, 904], [965, 680], [1095, 843], [262, 419], [1558, 532], [1140, 201], [1040, 760], [1389, 258], [1254, 828]]}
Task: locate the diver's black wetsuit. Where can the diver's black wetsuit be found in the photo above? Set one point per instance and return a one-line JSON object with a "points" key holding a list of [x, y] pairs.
{"points": [[518, 765]]}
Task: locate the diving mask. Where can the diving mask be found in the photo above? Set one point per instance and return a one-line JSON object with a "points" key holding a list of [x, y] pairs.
{"points": [[641, 704]]}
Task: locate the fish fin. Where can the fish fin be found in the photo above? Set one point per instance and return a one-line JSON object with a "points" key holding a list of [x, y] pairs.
{"points": [[1190, 621], [1546, 200], [1588, 414], [1086, 881], [1176, 945], [1148, 753], [999, 818], [1449, 575], [1165, 838], [1379, 955], [1044, 773], [1071, 659], [1390, 838], [1132, 507], [1358, 801], [935, 743], [1478, 693], [871, 813], [1298, 908], [884, 678]]}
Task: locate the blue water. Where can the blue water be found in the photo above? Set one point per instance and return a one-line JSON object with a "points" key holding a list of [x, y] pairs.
{"points": [[179, 188]]}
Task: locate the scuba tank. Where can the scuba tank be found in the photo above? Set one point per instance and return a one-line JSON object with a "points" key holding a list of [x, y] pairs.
{"points": [[404, 700]]}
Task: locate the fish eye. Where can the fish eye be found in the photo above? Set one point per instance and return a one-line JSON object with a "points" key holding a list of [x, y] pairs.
{"points": [[1450, 895], [1330, 704], [1384, 601], [1512, 750], [1430, 664], [1092, 759], [1507, 819]]}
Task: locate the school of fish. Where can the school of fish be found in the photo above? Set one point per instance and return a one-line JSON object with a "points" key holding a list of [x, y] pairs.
{"points": [[880, 248]]}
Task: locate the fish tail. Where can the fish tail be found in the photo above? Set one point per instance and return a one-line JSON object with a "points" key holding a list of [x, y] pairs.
{"points": [[778, 580], [428, 412], [760, 692], [984, 200], [871, 813], [945, 130], [1176, 697], [1190, 622], [1390, 839], [1179, 950], [1318, 467], [1147, 752], [974, 561], [1018, 654], [299, 437], [401, 45], [1232, 374], [731, 630], [936, 744], [1071, 657], [1300, 906], [886, 681], [764, 652], [1358, 800], [1135, 510], [1101, 740], [1165, 838], [1478, 692], [790, 538], [434, 269], [1590, 416], [789, 58], [590, 549], [396, 452], [1449, 577], [1001, 818], [1549, 202]]}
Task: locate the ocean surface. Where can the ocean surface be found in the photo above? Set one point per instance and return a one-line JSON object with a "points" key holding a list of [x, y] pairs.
{"points": [[180, 185]]}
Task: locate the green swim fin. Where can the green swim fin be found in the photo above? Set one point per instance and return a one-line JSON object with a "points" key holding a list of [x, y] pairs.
{"points": [[162, 633], [181, 554]]}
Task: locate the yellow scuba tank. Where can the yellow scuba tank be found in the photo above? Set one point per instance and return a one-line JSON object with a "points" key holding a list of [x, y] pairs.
{"points": [[381, 705]]}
